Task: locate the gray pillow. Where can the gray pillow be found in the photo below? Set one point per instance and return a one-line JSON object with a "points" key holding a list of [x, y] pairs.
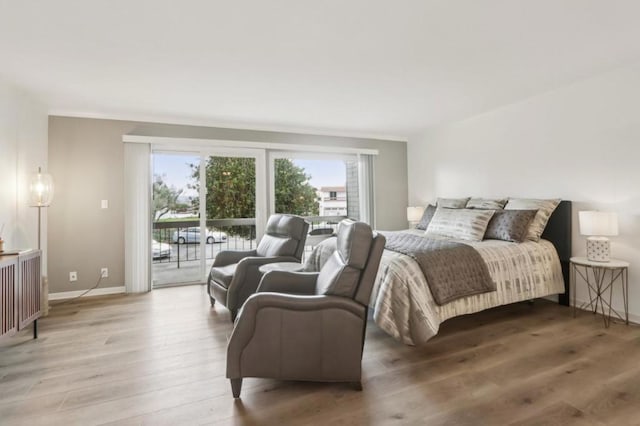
{"points": [[486, 203], [452, 203], [510, 225], [539, 222], [460, 224], [426, 217]]}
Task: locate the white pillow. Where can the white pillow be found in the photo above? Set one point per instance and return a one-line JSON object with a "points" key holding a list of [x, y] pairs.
{"points": [[539, 222], [460, 224]]}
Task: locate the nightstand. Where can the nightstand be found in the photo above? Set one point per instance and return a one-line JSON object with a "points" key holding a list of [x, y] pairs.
{"points": [[595, 275]]}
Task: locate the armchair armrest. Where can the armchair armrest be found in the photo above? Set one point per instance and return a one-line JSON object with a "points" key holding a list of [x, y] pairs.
{"points": [[297, 302], [288, 282], [247, 277], [260, 260], [228, 257]]}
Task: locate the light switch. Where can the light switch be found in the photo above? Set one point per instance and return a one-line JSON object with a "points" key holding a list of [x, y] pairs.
{"points": [[104, 204]]}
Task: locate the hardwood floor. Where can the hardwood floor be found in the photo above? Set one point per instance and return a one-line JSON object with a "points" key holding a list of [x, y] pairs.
{"points": [[159, 358]]}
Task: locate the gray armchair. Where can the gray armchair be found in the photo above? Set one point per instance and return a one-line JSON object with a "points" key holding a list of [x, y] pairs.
{"points": [[309, 325], [235, 276]]}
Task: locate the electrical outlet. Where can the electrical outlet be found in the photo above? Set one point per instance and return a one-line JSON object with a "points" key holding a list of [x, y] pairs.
{"points": [[73, 276], [104, 273]]}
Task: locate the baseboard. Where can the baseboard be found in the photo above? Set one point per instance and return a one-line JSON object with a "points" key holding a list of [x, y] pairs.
{"points": [[632, 317], [95, 292]]}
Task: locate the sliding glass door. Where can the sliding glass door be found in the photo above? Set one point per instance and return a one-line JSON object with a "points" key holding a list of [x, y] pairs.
{"points": [[202, 204], [230, 207], [175, 244]]}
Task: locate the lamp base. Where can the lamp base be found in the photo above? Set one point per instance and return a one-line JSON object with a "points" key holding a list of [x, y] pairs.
{"points": [[598, 249]]}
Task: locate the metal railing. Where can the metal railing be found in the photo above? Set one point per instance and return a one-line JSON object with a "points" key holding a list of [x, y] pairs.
{"points": [[178, 242]]}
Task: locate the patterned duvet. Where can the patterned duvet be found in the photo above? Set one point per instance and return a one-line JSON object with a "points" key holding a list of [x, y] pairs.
{"points": [[402, 302]]}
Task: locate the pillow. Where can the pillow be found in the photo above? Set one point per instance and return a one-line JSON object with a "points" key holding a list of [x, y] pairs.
{"points": [[461, 224], [486, 203], [539, 222], [426, 217], [510, 225], [452, 203]]}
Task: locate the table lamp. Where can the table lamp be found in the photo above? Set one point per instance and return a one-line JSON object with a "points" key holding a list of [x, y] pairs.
{"points": [[598, 226], [414, 214]]}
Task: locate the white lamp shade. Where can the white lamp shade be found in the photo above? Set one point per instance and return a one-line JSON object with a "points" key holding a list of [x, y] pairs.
{"points": [[598, 223], [41, 189], [414, 214]]}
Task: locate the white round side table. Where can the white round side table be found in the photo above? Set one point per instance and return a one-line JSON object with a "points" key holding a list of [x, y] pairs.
{"points": [[598, 285]]}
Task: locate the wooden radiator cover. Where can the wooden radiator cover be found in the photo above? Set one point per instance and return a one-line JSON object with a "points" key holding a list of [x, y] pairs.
{"points": [[20, 278]]}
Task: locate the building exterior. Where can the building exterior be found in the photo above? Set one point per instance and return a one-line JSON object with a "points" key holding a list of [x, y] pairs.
{"points": [[332, 200]]}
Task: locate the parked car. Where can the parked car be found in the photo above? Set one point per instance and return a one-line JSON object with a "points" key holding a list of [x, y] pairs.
{"points": [[160, 250], [192, 235]]}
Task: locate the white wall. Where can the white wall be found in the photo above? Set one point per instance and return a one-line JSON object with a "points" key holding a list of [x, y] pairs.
{"points": [[580, 143], [23, 147]]}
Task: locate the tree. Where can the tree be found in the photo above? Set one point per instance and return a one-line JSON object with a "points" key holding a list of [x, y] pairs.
{"points": [[165, 198], [294, 194], [231, 188]]}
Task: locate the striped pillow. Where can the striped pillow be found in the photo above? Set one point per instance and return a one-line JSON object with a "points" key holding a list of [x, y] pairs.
{"points": [[452, 203], [460, 224], [486, 203], [539, 222]]}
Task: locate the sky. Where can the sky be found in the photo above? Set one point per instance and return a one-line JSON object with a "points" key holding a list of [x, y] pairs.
{"points": [[175, 171]]}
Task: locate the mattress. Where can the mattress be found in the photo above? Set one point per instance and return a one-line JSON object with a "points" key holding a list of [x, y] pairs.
{"points": [[405, 309]]}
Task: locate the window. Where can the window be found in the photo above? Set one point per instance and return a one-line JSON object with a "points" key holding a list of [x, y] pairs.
{"points": [[312, 184]]}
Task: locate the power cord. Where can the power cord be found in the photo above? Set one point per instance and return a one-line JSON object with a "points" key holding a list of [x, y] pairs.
{"points": [[87, 291]]}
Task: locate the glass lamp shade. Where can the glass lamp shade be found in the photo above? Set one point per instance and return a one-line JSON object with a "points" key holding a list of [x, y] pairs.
{"points": [[414, 214], [41, 190], [594, 223]]}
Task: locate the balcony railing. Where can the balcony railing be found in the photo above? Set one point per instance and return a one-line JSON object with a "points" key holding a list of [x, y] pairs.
{"points": [[179, 241], [183, 238]]}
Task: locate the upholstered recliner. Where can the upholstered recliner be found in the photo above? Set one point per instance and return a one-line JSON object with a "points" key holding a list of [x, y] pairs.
{"points": [[309, 325], [234, 275]]}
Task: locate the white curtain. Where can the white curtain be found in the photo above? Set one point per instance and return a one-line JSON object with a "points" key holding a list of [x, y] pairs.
{"points": [[366, 184], [137, 208]]}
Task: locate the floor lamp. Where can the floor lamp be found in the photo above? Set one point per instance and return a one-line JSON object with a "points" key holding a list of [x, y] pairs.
{"points": [[41, 194]]}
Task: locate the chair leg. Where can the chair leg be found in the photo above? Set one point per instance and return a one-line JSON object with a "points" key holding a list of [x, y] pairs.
{"points": [[236, 386], [357, 385], [213, 301]]}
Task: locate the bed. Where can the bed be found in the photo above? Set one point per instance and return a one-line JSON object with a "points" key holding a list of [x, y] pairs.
{"points": [[404, 307]]}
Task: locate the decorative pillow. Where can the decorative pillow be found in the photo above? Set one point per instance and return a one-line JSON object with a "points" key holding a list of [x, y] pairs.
{"points": [[539, 222], [461, 224], [486, 203], [452, 203], [426, 217], [510, 225]]}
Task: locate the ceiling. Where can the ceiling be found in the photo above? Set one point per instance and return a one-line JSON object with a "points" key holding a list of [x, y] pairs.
{"points": [[376, 67]]}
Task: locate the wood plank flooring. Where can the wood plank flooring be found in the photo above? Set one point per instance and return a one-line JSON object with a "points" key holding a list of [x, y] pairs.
{"points": [[159, 358]]}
